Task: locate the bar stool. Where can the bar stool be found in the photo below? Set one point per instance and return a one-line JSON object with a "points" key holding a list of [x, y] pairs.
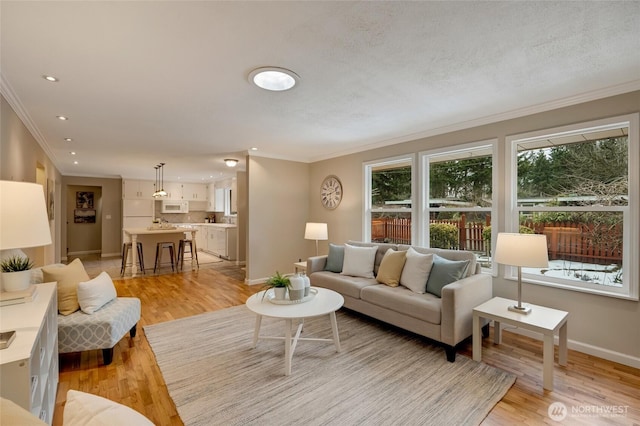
{"points": [[193, 251], [125, 253], [159, 250]]}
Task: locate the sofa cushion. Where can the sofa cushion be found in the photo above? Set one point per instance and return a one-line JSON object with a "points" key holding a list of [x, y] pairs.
{"points": [[95, 293], [382, 250], [391, 268], [335, 259], [347, 286], [445, 272], [416, 271], [358, 261], [425, 307], [68, 278], [451, 255]]}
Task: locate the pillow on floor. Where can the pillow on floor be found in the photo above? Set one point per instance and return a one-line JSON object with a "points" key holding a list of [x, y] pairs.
{"points": [[416, 271], [67, 277], [359, 261], [95, 293], [85, 409], [391, 267], [335, 259], [443, 272]]}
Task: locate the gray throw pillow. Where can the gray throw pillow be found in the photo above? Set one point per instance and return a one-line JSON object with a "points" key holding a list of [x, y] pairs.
{"points": [[443, 272], [335, 259]]}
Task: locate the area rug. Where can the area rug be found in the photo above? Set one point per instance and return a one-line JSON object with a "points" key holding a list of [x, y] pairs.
{"points": [[382, 376]]}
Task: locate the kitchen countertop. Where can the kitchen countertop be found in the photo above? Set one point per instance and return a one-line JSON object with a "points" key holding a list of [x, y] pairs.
{"points": [[217, 225]]}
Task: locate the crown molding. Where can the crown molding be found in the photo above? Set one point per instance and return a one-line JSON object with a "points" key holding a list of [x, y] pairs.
{"points": [[7, 91]]}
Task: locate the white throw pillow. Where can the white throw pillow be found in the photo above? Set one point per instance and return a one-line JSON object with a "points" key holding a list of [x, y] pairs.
{"points": [[416, 271], [85, 409], [95, 293], [359, 261]]}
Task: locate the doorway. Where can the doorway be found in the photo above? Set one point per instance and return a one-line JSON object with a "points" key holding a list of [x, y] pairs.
{"points": [[84, 220]]}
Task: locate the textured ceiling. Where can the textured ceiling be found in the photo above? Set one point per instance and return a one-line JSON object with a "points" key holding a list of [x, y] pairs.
{"points": [[149, 82]]}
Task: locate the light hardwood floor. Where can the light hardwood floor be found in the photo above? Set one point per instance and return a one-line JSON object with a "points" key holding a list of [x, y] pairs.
{"points": [[134, 378]]}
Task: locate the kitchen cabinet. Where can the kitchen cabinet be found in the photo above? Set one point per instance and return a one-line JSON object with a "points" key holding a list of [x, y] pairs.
{"points": [[29, 366], [201, 237], [234, 197], [138, 189], [215, 202], [222, 241], [173, 190], [194, 192]]}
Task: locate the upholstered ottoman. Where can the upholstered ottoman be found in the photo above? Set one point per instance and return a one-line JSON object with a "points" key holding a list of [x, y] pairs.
{"points": [[101, 330]]}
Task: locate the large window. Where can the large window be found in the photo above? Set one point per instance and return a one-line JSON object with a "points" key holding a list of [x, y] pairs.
{"points": [[388, 200], [579, 186], [458, 199]]}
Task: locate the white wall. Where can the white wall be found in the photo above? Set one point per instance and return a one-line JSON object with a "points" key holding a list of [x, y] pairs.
{"points": [[278, 208], [604, 326]]}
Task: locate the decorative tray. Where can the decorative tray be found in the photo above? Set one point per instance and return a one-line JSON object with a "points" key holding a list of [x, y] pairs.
{"points": [[272, 298]]}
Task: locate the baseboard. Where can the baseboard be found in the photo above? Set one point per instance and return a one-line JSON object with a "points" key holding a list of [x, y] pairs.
{"points": [[575, 345], [118, 254], [80, 253], [255, 282]]}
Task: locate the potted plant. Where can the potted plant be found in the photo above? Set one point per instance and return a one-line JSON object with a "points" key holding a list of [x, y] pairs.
{"points": [[16, 273], [279, 283]]}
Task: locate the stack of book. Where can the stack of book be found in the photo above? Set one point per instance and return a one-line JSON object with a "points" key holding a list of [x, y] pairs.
{"points": [[15, 297]]}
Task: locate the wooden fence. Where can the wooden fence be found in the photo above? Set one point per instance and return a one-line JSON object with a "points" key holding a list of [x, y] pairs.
{"points": [[576, 242]]}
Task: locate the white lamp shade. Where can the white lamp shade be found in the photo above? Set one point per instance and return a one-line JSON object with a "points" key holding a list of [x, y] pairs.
{"points": [[528, 250], [23, 216], [316, 231]]}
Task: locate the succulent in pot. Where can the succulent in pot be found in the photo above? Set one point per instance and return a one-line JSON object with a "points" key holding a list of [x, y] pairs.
{"points": [[279, 283], [16, 273]]}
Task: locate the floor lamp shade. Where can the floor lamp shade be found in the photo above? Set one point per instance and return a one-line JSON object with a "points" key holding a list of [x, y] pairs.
{"points": [[521, 250], [316, 231], [24, 221]]}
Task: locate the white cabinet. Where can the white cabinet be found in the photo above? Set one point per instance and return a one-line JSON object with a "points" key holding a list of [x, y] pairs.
{"points": [[215, 201], [234, 197], [138, 189], [173, 190], [194, 192], [222, 241], [29, 366], [201, 237]]}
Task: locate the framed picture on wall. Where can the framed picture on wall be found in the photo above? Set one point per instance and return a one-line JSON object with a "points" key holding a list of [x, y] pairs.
{"points": [[84, 216], [84, 200], [51, 192]]}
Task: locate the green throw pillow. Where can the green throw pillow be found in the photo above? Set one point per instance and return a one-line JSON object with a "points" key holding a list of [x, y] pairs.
{"points": [[445, 272], [335, 259]]}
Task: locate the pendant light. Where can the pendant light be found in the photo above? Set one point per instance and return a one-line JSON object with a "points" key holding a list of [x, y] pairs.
{"points": [[155, 184], [160, 181]]}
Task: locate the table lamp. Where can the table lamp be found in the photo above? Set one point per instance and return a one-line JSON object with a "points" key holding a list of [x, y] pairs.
{"points": [[528, 250], [24, 221], [316, 231]]}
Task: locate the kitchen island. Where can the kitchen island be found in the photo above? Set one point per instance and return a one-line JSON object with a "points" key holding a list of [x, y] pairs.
{"points": [[149, 238]]}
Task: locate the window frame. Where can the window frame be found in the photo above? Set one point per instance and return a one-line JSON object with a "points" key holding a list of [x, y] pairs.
{"points": [[631, 212], [424, 188], [367, 169]]}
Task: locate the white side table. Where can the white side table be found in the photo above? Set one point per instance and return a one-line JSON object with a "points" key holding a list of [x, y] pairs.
{"points": [[326, 302], [300, 266], [541, 319]]}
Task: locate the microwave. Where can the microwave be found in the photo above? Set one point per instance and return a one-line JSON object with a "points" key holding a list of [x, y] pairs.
{"points": [[169, 206]]}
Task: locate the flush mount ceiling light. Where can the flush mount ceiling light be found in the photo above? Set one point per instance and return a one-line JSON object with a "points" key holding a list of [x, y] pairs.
{"points": [[50, 78], [230, 162], [274, 78], [68, 139], [62, 117]]}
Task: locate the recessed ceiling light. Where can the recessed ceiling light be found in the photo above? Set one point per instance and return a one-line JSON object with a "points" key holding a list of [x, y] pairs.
{"points": [[68, 139], [62, 117], [254, 149], [274, 78], [75, 162], [72, 153], [50, 78]]}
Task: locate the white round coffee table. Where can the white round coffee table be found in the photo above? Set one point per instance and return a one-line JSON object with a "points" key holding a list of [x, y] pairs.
{"points": [[325, 302]]}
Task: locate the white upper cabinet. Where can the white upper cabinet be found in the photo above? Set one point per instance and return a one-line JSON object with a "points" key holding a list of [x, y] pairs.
{"points": [[215, 200], [194, 192], [173, 190], [138, 189]]}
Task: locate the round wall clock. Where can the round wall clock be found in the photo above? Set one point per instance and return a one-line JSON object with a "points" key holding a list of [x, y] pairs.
{"points": [[331, 192]]}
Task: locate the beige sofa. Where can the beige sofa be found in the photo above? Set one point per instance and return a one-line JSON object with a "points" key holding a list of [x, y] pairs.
{"points": [[447, 319]]}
